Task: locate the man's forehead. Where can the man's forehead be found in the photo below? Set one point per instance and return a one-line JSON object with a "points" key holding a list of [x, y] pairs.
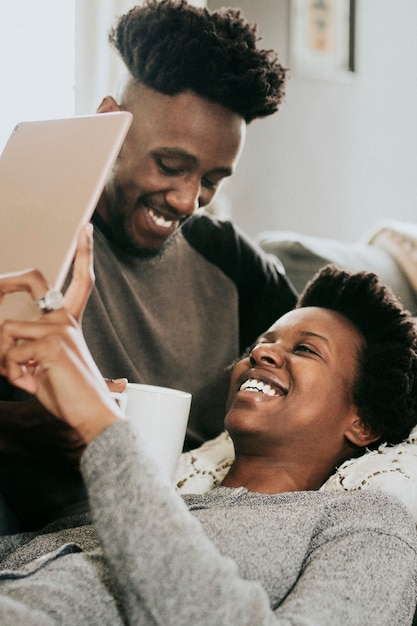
{"points": [[140, 99], [189, 125]]}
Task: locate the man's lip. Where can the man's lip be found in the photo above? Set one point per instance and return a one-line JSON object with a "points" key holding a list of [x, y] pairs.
{"points": [[148, 224], [167, 215]]}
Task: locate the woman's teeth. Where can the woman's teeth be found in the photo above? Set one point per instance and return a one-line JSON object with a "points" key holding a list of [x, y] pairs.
{"points": [[258, 386], [159, 220]]}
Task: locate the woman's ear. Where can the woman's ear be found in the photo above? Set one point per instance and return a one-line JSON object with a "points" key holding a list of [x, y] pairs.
{"points": [[360, 434], [108, 105]]}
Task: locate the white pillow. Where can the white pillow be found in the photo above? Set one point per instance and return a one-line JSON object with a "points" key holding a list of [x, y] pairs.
{"points": [[204, 468], [392, 469], [389, 468]]}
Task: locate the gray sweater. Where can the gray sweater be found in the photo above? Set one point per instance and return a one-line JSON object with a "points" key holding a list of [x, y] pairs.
{"points": [[239, 558]]}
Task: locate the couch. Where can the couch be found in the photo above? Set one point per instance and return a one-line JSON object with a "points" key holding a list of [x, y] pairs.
{"points": [[389, 250]]}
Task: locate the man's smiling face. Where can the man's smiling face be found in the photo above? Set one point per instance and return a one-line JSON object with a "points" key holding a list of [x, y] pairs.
{"points": [[177, 152]]}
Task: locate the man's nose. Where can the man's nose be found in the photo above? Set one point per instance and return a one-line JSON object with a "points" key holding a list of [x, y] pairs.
{"points": [[184, 198], [267, 354]]}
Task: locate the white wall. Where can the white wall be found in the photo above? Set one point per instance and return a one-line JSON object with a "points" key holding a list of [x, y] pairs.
{"points": [[339, 156], [98, 68], [37, 67]]}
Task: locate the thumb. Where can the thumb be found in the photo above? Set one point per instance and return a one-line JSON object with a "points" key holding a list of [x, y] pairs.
{"points": [[82, 281]]}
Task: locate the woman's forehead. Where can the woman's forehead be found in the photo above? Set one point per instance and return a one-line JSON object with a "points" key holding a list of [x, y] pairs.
{"points": [[314, 320]]}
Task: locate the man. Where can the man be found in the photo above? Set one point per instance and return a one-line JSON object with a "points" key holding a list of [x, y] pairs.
{"points": [[178, 295], [328, 379]]}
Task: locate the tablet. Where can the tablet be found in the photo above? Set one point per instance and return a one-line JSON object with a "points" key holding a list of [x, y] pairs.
{"points": [[52, 173]]}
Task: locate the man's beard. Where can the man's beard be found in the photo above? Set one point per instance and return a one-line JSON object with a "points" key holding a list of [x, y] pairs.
{"points": [[120, 234]]}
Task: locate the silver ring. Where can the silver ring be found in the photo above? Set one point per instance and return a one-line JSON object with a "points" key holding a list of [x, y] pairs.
{"points": [[51, 301]]}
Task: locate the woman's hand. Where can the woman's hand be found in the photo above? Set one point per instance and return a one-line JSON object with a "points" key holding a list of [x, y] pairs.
{"points": [[82, 280], [49, 357], [78, 291]]}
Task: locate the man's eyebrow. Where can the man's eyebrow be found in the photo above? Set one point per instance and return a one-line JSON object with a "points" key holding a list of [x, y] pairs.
{"points": [[176, 152], [183, 154]]}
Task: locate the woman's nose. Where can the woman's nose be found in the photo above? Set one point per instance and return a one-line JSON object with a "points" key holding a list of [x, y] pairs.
{"points": [[267, 353]]}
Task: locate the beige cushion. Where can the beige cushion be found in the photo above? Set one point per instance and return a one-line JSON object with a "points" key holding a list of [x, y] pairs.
{"points": [[392, 469], [400, 240]]}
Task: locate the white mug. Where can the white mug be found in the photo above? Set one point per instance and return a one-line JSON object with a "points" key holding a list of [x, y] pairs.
{"points": [[159, 416]]}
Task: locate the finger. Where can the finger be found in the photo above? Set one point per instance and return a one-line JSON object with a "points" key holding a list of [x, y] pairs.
{"points": [[117, 385], [60, 371], [31, 281], [16, 332], [21, 364], [46, 350], [82, 281]]}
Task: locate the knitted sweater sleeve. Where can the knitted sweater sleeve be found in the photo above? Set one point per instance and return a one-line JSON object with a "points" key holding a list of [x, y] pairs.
{"points": [[169, 572]]}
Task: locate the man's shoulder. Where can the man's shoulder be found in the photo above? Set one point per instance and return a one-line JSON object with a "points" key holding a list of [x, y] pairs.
{"points": [[220, 240], [200, 225], [225, 245]]}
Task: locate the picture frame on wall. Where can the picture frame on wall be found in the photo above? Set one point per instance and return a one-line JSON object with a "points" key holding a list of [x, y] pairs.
{"points": [[322, 39]]}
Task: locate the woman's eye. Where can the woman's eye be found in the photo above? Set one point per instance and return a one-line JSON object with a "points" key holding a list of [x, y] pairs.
{"points": [[253, 346], [303, 348]]}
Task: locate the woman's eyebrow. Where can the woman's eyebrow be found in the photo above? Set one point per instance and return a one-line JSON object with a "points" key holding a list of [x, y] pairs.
{"points": [[268, 336], [310, 333]]}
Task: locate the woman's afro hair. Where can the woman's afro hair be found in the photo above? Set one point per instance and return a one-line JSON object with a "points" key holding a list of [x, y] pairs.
{"points": [[385, 391]]}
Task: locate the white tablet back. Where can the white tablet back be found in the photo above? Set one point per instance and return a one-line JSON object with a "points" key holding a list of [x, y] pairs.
{"points": [[52, 174]]}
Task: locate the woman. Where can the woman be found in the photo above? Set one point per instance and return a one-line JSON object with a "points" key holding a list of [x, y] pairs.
{"points": [[263, 548]]}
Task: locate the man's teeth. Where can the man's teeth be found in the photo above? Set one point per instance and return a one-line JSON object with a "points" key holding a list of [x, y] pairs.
{"points": [[258, 386], [159, 220]]}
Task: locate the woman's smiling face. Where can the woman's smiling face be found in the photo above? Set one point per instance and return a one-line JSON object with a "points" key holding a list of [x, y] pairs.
{"points": [[295, 387]]}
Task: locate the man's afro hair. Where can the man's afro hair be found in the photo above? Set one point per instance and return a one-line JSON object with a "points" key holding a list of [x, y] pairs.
{"points": [[172, 47]]}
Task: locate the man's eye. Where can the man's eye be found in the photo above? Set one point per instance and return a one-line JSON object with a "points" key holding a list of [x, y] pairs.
{"points": [[208, 183], [169, 171]]}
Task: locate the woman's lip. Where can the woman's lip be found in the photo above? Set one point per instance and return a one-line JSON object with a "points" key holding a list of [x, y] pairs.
{"points": [[265, 380]]}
